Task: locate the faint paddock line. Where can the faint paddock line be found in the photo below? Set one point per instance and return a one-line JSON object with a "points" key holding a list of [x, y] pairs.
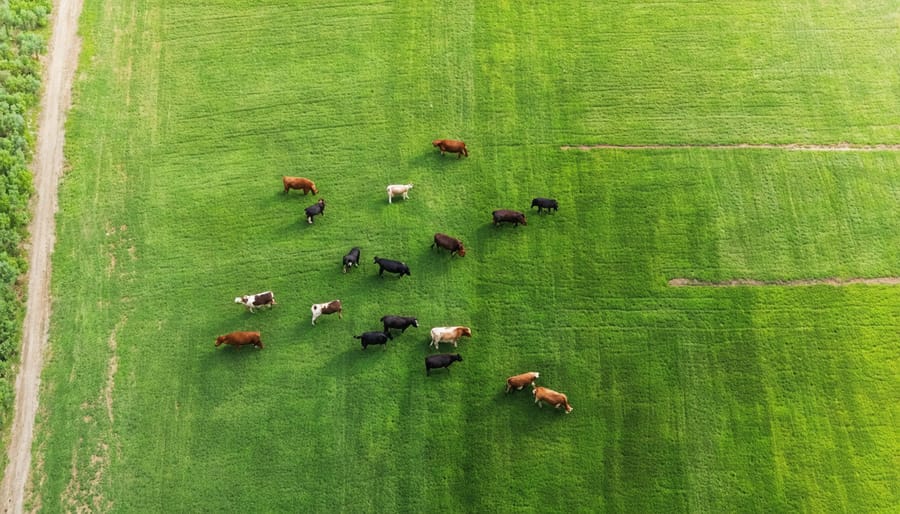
{"points": [[799, 147], [741, 282]]}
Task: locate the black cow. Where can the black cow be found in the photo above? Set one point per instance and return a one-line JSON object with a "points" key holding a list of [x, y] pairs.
{"points": [[507, 216], [545, 203], [315, 209], [400, 323], [391, 267], [351, 259], [441, 360], [368, 338]]}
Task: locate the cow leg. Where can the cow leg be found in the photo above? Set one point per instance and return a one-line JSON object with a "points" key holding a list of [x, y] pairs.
{"points": [[341, 314], [309, 219]]}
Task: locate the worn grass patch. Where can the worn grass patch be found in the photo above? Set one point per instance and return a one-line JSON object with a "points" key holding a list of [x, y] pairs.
{"points": [[700, 399]]}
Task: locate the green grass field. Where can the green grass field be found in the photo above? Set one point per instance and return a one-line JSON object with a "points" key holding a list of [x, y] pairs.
{"points": [[701, 399]]}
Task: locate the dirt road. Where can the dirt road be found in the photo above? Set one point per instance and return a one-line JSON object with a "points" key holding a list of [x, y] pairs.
{"points": [[59, 74]]}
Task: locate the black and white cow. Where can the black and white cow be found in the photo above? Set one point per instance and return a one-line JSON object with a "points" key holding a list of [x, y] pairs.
{"points": [[351, 259], [400, 323], [315, 210], [368, 338], [545, 203], [391, 267], [254, 301]]}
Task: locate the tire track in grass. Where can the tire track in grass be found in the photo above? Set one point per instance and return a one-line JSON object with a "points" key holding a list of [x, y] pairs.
{"points": [[837, 147], [878, 281]]}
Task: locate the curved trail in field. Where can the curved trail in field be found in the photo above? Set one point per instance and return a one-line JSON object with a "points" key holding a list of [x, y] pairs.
{"points": [[839, 147], [59, 74]]}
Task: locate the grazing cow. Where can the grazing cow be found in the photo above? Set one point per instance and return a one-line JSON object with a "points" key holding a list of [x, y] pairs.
{"points": [[450, 243], [398, 189], [545, 203], [391, 267], [351, 259], [400, 323], [542, 394], [257, 300], [319, 309], [517, 382], [304, 184], [315, 209], [507, 216], [240, 339], [452, 146], [368, 338], [448, 335], [441, 360]]}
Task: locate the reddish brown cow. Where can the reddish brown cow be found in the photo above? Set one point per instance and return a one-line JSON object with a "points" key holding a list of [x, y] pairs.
{"points": [[450, 243], [517, 382], [240, 339], [542, 394], [304, 184], [452, 146]]}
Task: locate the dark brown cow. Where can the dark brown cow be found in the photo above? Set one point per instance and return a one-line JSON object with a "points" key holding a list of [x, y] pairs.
{"points": [[304, 184], [450, 243], [452, 146], [507, 216], [240, 339]]}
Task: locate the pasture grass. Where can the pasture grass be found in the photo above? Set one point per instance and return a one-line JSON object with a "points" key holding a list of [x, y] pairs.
{"points": [[688, 399]]}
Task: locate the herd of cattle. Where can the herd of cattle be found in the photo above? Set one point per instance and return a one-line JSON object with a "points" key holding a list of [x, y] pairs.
{"points": [[438, 334]]}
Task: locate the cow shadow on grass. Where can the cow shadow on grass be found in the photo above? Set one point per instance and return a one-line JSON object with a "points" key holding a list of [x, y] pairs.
{"points": [[354, 359]]}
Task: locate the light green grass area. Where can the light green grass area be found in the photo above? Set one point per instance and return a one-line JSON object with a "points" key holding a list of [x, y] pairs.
{"points": [[685, 399]]}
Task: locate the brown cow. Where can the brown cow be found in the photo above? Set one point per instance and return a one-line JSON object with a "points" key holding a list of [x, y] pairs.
{"points": [[304, 184], [450, 243], [517, 382], [240, 339], [452, 146], [542, 394]]}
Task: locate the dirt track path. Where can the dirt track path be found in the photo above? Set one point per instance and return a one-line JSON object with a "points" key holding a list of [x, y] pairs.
{"points": [[59, 74]]}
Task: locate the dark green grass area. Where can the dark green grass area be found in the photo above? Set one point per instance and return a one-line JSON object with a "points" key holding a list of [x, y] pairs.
{"points": [[685, 399]]}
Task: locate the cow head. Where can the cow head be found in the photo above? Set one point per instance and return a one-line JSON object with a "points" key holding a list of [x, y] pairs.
{"points": [[437, 142], [313, 189], [462, 250], [456, 357], [220, 340], [240, 299], [466, 331]]}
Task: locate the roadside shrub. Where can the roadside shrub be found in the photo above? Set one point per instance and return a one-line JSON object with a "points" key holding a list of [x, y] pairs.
{"points": [[22, 40]]}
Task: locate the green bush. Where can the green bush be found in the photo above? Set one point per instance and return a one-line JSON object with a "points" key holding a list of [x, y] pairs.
{"points": [[22, 40]]}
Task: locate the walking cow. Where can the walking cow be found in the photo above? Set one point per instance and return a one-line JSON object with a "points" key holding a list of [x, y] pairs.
{"points": [[452, 146], [507, 216], [545, 203], [449, 243], [351, 259], [391, 267], [315, 210]]}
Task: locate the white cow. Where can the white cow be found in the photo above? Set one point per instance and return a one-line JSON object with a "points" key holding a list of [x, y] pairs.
{"points": [[398, 189], [448, 335], [257, 300]]}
